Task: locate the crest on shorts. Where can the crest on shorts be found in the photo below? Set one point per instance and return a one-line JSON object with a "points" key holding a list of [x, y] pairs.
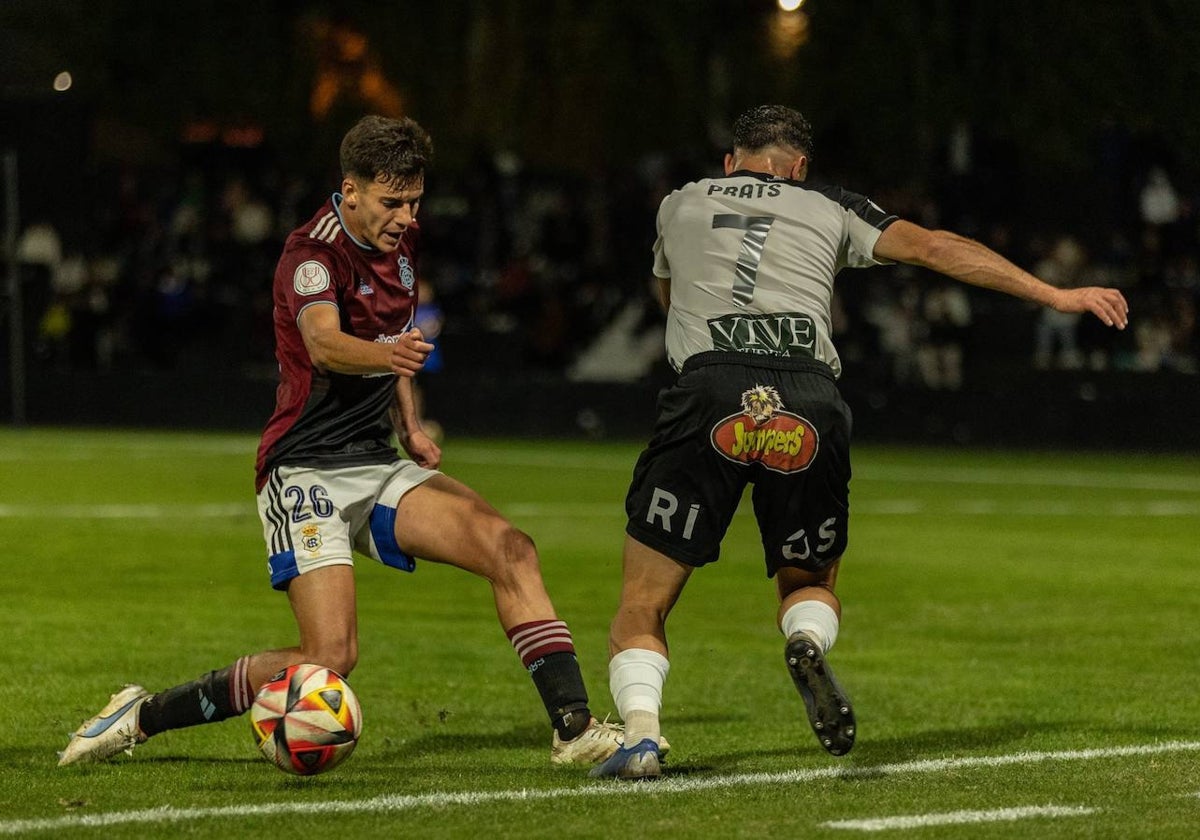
{"points": [[310, 537], [763, 433]]}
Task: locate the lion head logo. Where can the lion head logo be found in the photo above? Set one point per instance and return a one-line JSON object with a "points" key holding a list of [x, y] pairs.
{"points": [[761, 402]]}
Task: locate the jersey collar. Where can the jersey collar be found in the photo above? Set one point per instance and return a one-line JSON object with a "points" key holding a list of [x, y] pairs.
{"points": [[763, 176], [337, 208]]}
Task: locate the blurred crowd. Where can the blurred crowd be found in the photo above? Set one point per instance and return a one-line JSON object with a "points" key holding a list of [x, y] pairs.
{"points": [[175, 271]]}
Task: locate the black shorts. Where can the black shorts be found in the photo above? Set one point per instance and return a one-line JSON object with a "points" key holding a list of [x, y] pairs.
{"points": [[732, 419]]}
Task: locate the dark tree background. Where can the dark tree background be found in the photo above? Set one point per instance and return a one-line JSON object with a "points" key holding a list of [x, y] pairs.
{"points": [[577, 83]]}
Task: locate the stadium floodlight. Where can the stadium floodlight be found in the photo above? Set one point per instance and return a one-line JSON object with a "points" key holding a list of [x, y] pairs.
{"points": [[790, 5]]}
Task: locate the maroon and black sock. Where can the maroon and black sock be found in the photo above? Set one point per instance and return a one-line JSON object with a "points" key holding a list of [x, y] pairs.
{"points": [[215, 696], [547, 651]]}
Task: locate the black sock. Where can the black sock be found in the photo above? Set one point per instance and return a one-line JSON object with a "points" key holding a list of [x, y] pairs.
{"points": [[560, 684], [205, 700]]}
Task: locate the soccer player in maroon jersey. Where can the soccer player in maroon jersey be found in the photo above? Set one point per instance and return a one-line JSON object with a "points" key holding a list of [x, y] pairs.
{"points": [[330, 482]]}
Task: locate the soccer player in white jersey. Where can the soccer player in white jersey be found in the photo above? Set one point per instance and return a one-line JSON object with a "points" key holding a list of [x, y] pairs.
{"points": [[746, 265]]}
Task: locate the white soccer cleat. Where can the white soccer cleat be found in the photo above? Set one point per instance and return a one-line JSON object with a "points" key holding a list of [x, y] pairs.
{"points": [[595, 744], [113, 731]]}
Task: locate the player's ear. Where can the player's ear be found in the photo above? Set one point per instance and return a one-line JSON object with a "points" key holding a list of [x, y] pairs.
{"points": [[349, 193], [728, 164], [799, 168]]}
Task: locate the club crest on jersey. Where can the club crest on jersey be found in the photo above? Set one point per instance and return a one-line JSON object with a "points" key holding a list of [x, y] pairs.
{"points": [[407, 278], [311, 278], [310, 538], [762, 432]]}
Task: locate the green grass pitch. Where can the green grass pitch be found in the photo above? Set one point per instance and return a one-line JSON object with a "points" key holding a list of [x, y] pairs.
{"points": [[1021, 638]]}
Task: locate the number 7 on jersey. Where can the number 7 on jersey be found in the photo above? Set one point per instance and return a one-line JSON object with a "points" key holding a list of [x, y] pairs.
{"points": [[756, 229]]}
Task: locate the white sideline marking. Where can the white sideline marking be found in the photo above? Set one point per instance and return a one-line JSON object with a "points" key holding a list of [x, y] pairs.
{"points": [[390, 803], [131, 448], [539, 457], [1039, 477], [619, 462], [1154, 508], [960, 818], [1035, 477], [1151, 508], [150, 511]]}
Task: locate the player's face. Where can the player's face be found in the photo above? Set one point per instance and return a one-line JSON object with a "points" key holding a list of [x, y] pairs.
{"points": [[378, 213]]}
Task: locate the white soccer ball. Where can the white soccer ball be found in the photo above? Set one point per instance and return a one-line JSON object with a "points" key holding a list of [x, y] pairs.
{"points": [[306, 720]]}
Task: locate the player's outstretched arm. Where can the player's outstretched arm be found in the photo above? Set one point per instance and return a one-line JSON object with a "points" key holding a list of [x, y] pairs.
{"points": [[331, 349], [972, 262], [421, 448]]}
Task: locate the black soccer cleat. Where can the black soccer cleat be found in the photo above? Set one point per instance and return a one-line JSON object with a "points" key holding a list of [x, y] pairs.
{"points": [[829, 711]]}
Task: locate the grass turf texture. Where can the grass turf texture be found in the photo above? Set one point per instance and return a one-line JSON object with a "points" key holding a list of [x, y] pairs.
{"points": [[996, 603]]}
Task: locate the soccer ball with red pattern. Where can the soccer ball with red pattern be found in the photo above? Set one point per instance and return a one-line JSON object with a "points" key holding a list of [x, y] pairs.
{"points": [[306, 720]]}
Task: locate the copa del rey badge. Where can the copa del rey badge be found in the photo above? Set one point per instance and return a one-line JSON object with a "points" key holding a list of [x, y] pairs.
{"points": [[762, 432], [311, 278]]}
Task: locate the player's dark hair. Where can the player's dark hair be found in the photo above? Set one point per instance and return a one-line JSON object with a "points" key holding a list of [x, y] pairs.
{"points": [[382, 149], [772, 125]]}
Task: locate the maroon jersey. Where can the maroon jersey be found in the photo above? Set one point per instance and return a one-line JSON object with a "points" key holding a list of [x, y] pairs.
{"points": [[325, 419]]}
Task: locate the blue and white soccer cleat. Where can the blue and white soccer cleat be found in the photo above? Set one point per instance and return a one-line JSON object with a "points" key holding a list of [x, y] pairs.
{"points": [[631, 764], [595, 744], [112, 731], [829, 712]]}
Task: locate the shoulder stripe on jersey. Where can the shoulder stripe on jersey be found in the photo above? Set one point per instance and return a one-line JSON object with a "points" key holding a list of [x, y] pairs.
{"points": [[320, 226], [327, 228], [859, 205]]}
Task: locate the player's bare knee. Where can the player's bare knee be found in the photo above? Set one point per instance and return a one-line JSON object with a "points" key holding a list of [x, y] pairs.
{"points": [[639, 616], [340, 657], [520, 553], [516, 556]]}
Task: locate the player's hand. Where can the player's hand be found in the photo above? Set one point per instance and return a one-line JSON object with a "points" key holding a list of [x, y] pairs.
{"points": [[1108, 305], [422, 449], [409, 353]]}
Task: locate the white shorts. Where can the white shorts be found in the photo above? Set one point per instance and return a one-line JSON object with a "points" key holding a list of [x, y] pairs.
{"points": [[313, 518]]}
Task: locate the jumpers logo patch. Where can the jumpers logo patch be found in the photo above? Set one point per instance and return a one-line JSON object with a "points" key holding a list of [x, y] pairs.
{"points": [[764, 433]]}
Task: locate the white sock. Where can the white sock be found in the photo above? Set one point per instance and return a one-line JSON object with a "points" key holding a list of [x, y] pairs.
{"points": [[816, 618], [636, 677]]}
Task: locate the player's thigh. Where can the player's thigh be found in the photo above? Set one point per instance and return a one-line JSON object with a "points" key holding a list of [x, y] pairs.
{"points": [[445, 521], [804, 517], [375, 525], [650, 579], [324, 602], [308, 517], [684, 492]]}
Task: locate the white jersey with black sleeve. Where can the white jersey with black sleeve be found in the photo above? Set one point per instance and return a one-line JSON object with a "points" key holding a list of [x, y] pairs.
{"points": [[752, 258]]}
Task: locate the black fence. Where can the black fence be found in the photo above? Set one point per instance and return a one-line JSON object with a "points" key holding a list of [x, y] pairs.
{"points": [[1025, 409]]}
